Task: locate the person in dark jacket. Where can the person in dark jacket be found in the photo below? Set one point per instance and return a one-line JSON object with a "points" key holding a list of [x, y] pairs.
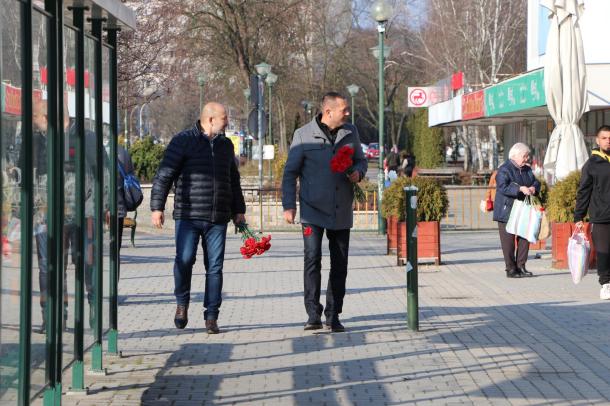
{"points": [[514, 180], [594, 196], [326, 203], [200, 162], [125, 161]]}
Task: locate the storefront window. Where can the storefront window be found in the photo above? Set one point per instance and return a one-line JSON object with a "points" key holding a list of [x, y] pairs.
{"points": [[10, 132]]}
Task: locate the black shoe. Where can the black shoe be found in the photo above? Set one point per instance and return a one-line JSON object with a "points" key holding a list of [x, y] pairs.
{"points": [[335, 325], [313, 325], [181, 317], [525, 272], [514, 273]]}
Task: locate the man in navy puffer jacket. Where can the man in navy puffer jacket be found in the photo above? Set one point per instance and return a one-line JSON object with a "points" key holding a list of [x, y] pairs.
{"points": [[200, 162]]}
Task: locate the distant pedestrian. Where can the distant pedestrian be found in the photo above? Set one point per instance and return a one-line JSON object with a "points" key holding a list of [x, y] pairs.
{"points": [[408, 164], [514, 181], [326, 203], [594, 197], [393, 159], [200, 163], [490, 194], [125, 163]]}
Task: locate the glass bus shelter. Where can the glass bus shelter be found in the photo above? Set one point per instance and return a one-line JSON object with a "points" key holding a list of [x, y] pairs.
{"points": [[59, 255]]}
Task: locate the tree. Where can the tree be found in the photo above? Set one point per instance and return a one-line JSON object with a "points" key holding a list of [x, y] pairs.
{"points": [[483, 38], [427, 142], [146, 157]]}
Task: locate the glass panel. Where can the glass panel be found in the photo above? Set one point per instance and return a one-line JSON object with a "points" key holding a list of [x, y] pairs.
{"points": [[606, 117], [40, 275], [107, 130], [70, 230], [10, 131], [89, 187]]}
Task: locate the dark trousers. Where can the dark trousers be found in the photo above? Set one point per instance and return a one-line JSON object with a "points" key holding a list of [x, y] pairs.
{"points": [[601, 240], [338, 241], [511, 259], [213, 236]]}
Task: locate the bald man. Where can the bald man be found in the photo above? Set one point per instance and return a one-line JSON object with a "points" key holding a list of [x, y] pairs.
{"points": [[326, 204], [200, 161]]}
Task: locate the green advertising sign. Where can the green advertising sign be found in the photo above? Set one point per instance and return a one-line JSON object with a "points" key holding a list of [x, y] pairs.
{"points": [[516, 94]]}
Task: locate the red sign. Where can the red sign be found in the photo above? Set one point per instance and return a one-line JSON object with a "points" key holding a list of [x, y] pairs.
{"points": [[418, 97], [473, 105], [12, 100], [457, 81]]}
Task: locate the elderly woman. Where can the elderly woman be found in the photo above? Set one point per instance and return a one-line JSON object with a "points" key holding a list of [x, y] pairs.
{"points": [[514, 180]]}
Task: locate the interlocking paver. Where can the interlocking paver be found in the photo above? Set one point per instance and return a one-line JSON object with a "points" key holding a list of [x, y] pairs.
{"points": [[483, 339]]}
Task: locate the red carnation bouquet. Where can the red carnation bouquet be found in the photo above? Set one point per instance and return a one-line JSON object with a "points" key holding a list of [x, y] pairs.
{"points": [[342, 162], [254, 243]]}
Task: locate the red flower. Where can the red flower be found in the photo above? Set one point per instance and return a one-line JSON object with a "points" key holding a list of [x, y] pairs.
{"points": [[307, 231], [252, 245]]}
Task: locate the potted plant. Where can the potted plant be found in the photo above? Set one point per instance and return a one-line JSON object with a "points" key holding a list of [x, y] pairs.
{"points": [[432, 205], [560, 211], [389, 211]]}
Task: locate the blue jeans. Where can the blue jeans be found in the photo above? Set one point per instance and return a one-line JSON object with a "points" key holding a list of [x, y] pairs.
{"points": [[188, 233]]}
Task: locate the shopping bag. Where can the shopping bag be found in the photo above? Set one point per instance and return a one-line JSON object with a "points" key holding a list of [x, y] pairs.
{"points": [[486, 205], [578, 255], [524, 220], [545, 227], [490, 204]]}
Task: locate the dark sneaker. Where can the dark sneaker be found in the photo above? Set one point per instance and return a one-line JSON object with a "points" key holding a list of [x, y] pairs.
{"points": [[42, 329], [335, 325], [212, 327], [181, 317], [313, 325]]}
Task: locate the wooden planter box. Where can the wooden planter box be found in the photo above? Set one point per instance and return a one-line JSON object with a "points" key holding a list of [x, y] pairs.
{"points": [[392, 235], [537, 246], [428, 242], [561, 233]]}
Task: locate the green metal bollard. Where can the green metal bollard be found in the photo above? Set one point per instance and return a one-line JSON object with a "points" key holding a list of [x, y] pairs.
{"points": [[411, 216]]}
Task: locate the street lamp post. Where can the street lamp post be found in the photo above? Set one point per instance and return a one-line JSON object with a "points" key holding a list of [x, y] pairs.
{"points": [[141, 126], [262, 69], [201, 81], [307, 106], [270, 80], [353, 91], [381, 11]]}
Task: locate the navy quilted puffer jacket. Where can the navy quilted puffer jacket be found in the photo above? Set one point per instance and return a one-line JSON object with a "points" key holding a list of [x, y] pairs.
{"points": [[205, 174]]}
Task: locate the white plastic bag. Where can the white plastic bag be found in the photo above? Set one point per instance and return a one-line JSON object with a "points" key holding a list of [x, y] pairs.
{"points": [[525, 219], [578, 255]]}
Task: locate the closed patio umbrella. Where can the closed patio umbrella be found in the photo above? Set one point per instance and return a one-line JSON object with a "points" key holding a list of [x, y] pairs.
{"points": [[565, 87]]}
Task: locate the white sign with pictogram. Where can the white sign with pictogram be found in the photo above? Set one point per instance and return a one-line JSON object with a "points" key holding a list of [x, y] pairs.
{"points": [[419, 96]]}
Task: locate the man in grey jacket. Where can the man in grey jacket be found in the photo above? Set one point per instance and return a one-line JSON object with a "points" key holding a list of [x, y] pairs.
{"points": [[326, 203]]}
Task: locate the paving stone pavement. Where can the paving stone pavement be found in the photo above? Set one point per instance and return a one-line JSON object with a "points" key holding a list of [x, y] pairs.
{"points": [[483, 339]]}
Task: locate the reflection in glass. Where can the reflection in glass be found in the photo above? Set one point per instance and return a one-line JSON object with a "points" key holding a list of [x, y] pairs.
{"points": [[106, 205], [40, 274], [71, 236], [90, 166], [10, 132]]}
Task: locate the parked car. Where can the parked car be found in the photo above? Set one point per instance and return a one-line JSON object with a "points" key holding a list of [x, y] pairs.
{"points": [[372, 151], [365, 148]]}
